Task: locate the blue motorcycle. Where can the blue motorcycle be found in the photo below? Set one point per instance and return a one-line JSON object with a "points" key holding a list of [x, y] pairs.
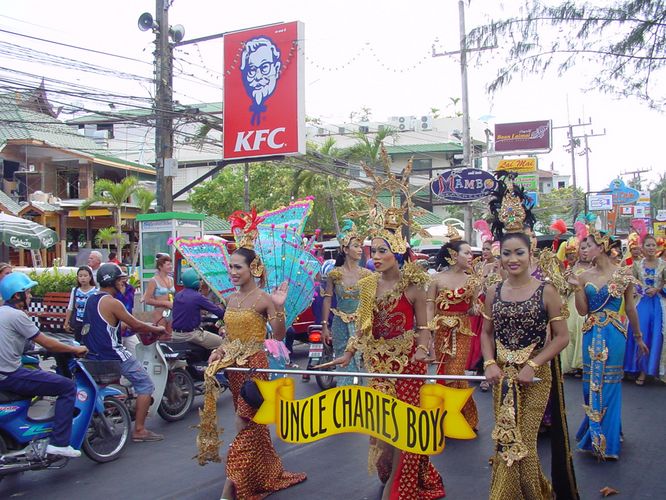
{"points": [[101, 422]]}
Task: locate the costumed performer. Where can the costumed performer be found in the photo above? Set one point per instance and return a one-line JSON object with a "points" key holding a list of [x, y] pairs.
{"points": [[342, 281], [650, 271], [571, 358], [599, 293], [452, 295], [392, 332], [253, 468], [516, 349]]}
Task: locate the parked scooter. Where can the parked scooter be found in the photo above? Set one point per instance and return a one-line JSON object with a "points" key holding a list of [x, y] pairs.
{"points": [[319, 353], [100, 427]]}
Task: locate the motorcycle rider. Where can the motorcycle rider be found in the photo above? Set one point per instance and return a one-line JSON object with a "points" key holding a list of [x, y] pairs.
{"points": [[187, 307], [15, 329], [102, 320]]}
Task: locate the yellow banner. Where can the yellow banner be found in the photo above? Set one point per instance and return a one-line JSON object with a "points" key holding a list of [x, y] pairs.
{"points": [[361, 409], [520, 165]]}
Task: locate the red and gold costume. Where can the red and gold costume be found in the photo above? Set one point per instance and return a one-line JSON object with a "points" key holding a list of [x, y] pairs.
{"points": [[388, 341], [454, 336]]}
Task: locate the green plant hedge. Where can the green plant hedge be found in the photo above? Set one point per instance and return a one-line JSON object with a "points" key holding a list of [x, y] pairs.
{"points": [[52, 280]]}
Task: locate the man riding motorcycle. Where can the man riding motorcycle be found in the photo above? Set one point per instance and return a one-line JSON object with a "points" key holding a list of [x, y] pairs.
{"points": [[187, 307], [15, 329], [101, 322]]}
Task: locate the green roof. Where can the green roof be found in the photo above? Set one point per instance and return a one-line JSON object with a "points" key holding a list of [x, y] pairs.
{"points": [[171, 215], [429, 219], [121, 161], [9, 204], [215, 225], [130, 113], [443, 147]]}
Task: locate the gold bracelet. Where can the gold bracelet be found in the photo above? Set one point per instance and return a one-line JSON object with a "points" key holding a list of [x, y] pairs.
{"points": [[557, 318], [430, 300], [325, 294], [532, 364], [423, 348], [425, 327], [489, 362], [485, 316], [352, 344]]}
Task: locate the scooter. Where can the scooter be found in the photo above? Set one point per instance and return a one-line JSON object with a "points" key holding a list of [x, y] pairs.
{"points": [[195, 358], [319, 353], [101, 424]]}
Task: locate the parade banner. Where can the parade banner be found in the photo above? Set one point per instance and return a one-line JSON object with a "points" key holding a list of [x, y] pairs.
{"points": [[416, 429], [519, 165], [264, 111]]}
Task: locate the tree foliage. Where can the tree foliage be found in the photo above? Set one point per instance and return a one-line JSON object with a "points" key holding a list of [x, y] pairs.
{"points": [[558, 204], [627, 40], [274, 184]]}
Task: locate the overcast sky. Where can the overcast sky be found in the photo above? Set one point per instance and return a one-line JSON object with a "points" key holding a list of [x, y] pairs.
{"points": [[358, 53]]}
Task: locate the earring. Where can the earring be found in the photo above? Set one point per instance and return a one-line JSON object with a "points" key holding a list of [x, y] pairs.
{"points": [[257, 268], [453, 258]]}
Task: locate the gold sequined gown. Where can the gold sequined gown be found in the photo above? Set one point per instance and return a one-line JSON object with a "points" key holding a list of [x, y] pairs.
{"points": [[252, 463], [520, 332], [453, 340]]}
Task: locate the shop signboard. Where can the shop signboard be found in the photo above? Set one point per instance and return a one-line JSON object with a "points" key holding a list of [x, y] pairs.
{"points": [[523, 136], [623, 194], [518, 165], [467, 184], [529, 182], [600, 202]]}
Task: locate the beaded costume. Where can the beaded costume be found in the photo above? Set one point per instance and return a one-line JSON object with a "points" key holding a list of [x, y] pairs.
{"points": [[604, 342], [453, 338], [387, 341]]}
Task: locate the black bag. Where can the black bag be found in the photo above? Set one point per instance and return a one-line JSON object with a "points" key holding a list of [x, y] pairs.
{"points": [[250, 391]]}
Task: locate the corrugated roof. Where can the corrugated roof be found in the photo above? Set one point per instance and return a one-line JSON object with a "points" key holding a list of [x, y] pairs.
{"points": [[129, 114], [442, 147], [429, 219], [9, 204], [215, 225]]}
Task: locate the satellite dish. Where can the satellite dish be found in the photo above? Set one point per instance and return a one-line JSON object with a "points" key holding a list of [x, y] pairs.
{"points": [[177, 33], [146, 21]]}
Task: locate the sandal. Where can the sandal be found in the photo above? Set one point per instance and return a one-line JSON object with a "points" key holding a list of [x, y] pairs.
{"points": [[147, 437], [640, 381], [484, 386]]}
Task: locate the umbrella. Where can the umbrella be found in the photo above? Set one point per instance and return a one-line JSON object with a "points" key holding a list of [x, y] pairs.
{"points": [[25, 234]]}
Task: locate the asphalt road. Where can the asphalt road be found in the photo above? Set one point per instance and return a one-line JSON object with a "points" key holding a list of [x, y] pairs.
{"points": [[337, 466]]}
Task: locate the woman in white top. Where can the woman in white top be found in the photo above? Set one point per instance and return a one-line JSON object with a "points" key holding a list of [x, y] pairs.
{"points": [[160, 290]]}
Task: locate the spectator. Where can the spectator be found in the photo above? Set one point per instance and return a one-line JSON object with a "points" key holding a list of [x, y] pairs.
{"points": [[85, 288], [113, 258], [94, 261], [125, 295], [5, 269], [160, 289]]}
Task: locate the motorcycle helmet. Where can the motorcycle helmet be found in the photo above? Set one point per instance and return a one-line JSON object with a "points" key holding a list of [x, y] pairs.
{"points": [[191, 279], [14, 283], [108, 274]]}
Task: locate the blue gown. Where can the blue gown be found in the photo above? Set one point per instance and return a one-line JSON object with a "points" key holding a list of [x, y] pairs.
{"points": [[604, 342]]}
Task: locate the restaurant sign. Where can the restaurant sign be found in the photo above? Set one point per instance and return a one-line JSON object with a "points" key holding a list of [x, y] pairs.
{"points": [[467, 184]]}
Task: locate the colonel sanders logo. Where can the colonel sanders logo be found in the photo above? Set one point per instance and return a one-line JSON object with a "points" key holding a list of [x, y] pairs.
{"points": [[260, 67]]}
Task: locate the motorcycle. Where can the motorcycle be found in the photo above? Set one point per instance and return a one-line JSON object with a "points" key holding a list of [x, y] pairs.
{"points": [[101, 423], [319, 353]]}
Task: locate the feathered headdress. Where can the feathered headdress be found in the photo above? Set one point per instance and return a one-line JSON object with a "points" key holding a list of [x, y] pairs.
{"points": [[559, 227], [245, 227], [388, 214], [581, 231], [348, 233], [509, 207], [484, 230], [641, 229]]}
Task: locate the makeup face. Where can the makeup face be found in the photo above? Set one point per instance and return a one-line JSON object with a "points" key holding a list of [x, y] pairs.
{"points": [[382, 256], [582, 251], [515, 257], [635, 251], [487, 251], [239, 270], [593, 250], [649, 247], [354, 251], [465, 257]]}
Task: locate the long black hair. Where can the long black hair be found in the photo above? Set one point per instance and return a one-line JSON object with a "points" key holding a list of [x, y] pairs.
{"points": [[445, 252]]}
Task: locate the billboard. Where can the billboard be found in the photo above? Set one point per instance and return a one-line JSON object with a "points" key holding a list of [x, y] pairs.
{"points": [[523, 136], [529, 182], [520, 165], [600, 202], [623, 194], [264, 110], [463, 185]]}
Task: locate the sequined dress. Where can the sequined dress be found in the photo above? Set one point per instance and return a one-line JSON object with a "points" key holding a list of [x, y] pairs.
{"points": [[571, 358], [651, 313], [344, 316], [453, 339], [520, 332], [388, 342], [252, 463], [604, 342]]}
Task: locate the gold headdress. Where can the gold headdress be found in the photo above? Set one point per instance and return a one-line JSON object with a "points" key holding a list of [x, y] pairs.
{"points": [[508, 207], [603, 241], [390, 206], [348, 233], [245, 228], [453, 235], [512, 213]]}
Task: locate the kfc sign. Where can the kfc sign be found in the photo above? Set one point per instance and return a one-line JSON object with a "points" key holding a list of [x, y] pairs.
{"points": [[264, 111]]}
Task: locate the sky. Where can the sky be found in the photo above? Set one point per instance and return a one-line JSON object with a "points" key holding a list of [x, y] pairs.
{"points": [[358, 54]]}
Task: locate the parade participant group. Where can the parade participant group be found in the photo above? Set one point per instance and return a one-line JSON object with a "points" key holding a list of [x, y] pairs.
{"points": [[513, 315]]}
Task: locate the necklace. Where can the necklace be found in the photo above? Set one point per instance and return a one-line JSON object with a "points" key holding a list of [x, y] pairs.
{"points": [[239, 301]]}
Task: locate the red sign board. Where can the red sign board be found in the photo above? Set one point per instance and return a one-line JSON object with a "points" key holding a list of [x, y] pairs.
{"points": [[523, 136], [264, 111]]}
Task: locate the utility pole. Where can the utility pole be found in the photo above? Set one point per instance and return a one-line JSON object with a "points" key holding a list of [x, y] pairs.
{"points": [[163, 107], [572, 149], [467, 139], [246, 178], [585, 137], [636, 176]]}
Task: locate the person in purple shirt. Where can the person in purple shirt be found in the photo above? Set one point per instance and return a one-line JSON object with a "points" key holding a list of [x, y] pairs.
{"points": [[187, 307]]}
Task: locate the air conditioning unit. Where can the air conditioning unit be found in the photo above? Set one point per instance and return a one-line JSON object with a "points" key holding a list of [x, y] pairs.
{"points": [[424, 123], [364, 129], [342, 131], [402, 123]]}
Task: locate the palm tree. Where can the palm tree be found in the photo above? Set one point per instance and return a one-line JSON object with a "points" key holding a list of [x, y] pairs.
{"points": [[112, 193], [106, 236], [367, 147], [144, 199]]}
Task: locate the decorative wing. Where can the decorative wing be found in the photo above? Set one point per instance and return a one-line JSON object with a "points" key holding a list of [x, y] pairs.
{"points": [[211, 260]]}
